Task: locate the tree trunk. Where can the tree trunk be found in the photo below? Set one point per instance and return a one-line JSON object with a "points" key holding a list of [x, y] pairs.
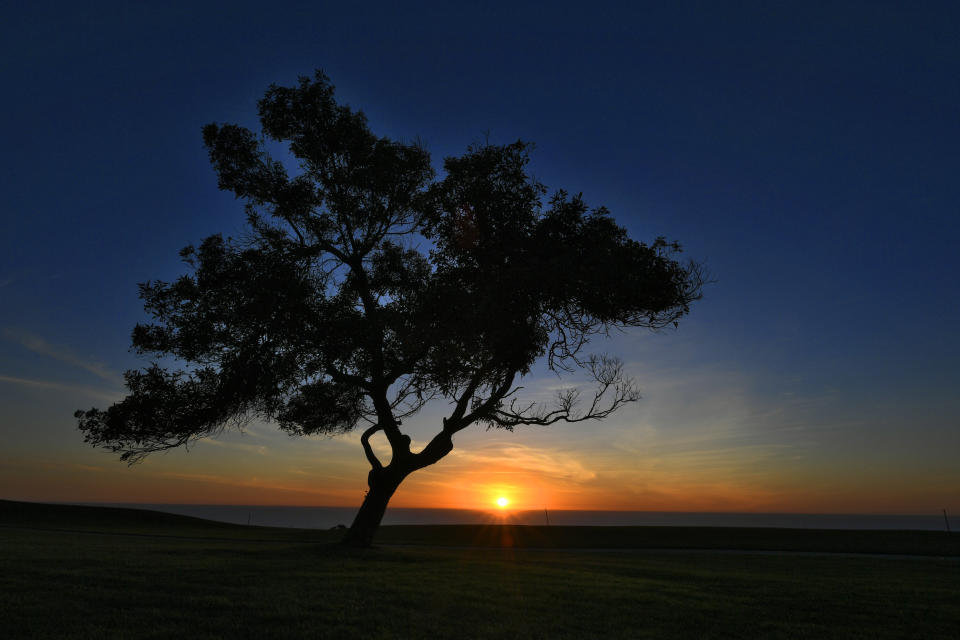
{"points": [[382, 484]]}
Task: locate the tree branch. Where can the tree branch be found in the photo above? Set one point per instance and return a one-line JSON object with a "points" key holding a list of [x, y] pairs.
{"points": [[489, 406], [456, 422], [340, 376], [613, 385], [367, 450]]}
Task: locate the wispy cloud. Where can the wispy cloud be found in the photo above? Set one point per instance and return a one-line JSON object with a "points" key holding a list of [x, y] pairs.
{"points": [[252, 482], [239, 446], [5, 281], [549, 462], [59, 386], [379, 443], [68, 466], [38, 345]]}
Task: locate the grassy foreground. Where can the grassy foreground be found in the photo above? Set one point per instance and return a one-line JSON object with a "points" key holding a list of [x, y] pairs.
{"points": [[90, 573]]}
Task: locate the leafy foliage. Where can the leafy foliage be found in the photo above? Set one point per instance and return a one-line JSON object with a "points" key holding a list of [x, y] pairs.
{"points": [[366, 287]]}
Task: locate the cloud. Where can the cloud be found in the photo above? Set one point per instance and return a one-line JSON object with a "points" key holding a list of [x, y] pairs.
{"points": [[59, 386], [68, 466], [238, 446], [5, 281], [378, 442], [550, 462], [37, 344], [252, 482]]}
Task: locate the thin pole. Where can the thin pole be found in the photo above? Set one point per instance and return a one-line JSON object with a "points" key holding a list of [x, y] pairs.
{"points": [[945, 520]]}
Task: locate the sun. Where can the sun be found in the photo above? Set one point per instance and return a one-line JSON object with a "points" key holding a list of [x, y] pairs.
{"points": [[502, 502]]}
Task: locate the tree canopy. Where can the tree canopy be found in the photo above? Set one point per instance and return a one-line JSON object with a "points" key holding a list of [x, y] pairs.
{"points": [[365, 287]]}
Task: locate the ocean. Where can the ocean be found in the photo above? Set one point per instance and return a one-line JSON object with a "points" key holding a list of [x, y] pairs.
{"points": [[328, 517]]}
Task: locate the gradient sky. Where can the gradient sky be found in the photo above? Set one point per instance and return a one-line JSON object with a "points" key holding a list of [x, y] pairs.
{"points": [[806, 152]]}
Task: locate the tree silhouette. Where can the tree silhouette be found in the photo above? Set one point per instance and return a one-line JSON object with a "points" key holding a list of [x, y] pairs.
{"points": [[364, 288]]}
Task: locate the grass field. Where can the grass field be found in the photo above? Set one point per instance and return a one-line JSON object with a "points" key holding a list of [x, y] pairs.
{"points": [[81, 572]]}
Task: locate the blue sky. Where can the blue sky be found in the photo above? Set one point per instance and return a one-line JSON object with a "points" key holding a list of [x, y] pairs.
{"points": [[806, 152]]}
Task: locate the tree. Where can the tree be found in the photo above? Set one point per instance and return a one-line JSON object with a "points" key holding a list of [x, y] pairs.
{"points": [[364, 288]]}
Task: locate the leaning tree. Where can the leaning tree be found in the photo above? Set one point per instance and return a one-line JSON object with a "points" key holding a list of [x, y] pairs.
{"points": [[364, 288]]}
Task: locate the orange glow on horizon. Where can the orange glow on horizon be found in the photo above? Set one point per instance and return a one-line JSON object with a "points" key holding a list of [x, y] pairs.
{"points": [[527, 478]]}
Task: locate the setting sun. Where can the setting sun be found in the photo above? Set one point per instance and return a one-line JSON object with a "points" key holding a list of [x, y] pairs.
{"points": [[502, 502]]}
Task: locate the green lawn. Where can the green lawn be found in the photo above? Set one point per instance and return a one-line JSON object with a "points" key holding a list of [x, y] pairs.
{"points": [[141, 574]]}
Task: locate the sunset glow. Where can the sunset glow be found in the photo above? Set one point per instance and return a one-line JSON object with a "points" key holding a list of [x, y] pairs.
{"points": [[785, 168]]}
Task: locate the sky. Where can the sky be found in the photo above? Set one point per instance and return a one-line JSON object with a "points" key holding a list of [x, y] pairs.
{"points": [[805, 152]]}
